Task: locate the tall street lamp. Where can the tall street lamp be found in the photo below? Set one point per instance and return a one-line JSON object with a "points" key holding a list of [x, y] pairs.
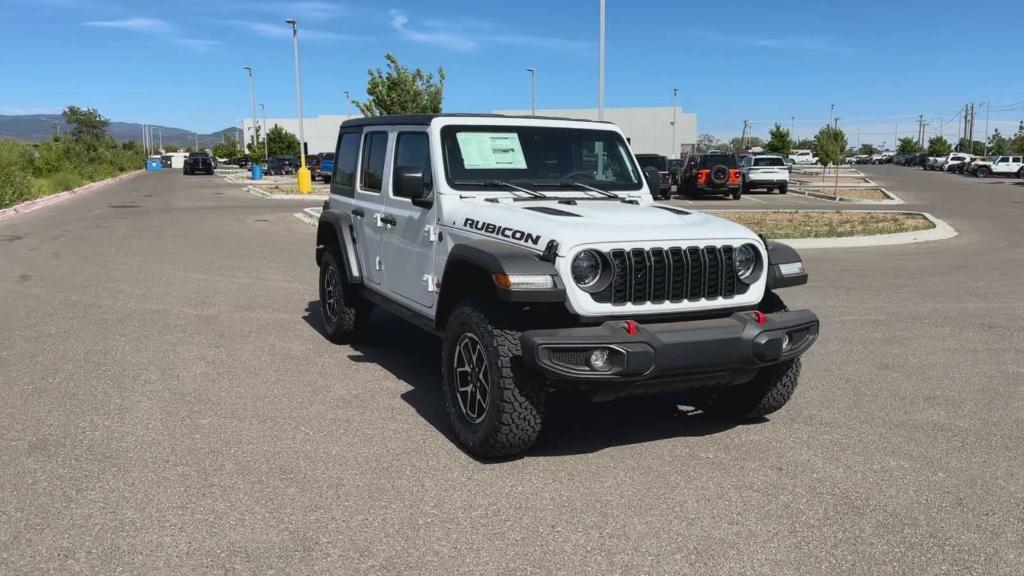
{"points": [[600, 65], [675, 151], [533, 91], [348, 99], [266, 138], [305, 180], [252, 100]]}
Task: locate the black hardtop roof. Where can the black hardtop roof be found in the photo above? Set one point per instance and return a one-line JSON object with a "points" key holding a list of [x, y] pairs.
{"points": [[426, 119]]}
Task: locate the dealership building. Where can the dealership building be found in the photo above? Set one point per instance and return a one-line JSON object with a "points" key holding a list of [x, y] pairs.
{"points": [[649, 130]]}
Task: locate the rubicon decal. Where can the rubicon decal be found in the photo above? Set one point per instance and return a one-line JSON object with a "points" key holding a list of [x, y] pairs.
{"points": [[502, 231]]}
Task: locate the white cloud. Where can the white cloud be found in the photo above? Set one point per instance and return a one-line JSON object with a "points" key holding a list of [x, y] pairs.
{"points": [[431, 35], [137, 24], [772, 43], [197, 44]]}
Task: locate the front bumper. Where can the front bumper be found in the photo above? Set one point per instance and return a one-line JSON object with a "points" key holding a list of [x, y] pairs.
{"points": [[698, 353]]}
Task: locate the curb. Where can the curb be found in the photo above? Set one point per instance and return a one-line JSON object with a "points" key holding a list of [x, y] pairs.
{"points": [[941, 231], [32, 205], [310, 216], [261, 193]]}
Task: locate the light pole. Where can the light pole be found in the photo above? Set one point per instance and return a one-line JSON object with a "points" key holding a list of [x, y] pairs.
{"points": [[305, 181], [792, 127], [533, 91], [266, 138], [831, 114], [252, 100], [349, 100], [675, 149], [600, 66]]}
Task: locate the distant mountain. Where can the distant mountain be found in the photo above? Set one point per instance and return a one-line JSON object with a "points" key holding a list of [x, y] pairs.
{"points": [[40, 127]]}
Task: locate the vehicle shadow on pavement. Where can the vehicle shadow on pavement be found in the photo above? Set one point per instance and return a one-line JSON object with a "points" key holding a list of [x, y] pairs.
{"points": [[573, 424]]}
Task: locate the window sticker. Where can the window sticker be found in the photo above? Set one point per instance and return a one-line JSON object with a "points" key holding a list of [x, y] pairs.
{"points": [[490, 150]]}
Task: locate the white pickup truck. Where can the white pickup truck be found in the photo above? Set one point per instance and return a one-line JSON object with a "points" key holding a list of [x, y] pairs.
{"points": [[803, 157]]}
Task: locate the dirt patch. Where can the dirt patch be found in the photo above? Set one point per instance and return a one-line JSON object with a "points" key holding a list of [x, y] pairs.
{"points": [[278, 189], [852, 193], [815, 224]]}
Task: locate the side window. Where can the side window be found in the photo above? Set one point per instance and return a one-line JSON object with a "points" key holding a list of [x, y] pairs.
{"points": [[1002, 159], [344, 179], [412, 150], [1016, 159], [371, 173]]}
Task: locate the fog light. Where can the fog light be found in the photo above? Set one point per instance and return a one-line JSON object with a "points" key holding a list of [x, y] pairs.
{"points": [[599, 359], [786, 343]]}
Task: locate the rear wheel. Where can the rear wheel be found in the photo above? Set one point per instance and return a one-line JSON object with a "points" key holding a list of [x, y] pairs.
{"points": [[784, 189], [983, 172], [343, 314], [494, 407], [736, 194]]}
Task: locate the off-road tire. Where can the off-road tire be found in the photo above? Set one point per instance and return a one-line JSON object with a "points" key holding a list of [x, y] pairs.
{"points": [[769, 391], [352, 315], [515, 400], [784, 189], [983, 172], [736, 194]]}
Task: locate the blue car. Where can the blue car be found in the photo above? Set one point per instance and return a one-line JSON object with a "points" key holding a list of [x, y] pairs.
{"points": [[324, 167]]}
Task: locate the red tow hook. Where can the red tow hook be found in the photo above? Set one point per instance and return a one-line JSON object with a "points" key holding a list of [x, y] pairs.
{"points": [[631, 328], [759, 317]]}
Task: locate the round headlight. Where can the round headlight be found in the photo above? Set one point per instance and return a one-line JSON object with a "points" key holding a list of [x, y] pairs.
{"points": [[586, 268], [746, 262]]}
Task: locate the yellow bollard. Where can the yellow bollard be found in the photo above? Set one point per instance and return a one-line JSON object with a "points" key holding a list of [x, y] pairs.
{"points": [[305, 180]]}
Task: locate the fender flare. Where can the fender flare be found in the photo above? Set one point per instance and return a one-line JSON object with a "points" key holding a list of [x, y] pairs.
{"points": [[496, 257], [778, 254], [336, 226]]}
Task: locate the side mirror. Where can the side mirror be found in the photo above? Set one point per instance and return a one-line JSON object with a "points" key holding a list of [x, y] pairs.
{"points": [[653, 180], [411, 184]]}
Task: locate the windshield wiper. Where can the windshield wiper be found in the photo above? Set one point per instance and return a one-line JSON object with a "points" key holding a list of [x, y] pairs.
{"points": [[583, 186], [533, 193]]}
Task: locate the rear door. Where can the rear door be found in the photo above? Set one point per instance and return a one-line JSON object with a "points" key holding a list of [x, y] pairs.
{"points": [[409, 240], [356, 186]]}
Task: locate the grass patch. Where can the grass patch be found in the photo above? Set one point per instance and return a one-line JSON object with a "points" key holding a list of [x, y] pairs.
{"points": [[798, 224]]}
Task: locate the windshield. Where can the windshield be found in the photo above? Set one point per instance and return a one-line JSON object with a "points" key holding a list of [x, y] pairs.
{"points": [[658, 162], [768, 161], [476, 156]]}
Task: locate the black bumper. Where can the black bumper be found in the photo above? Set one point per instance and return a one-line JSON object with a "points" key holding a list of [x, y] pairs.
{"points": [[722, 351]]}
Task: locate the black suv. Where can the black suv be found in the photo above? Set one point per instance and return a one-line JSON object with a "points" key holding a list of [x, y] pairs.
{"points": [[198, 163], [712, 174], [659, 163]]}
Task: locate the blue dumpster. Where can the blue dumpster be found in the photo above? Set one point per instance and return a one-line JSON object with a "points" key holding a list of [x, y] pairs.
{"points": [[257, 171], [154, 164]]}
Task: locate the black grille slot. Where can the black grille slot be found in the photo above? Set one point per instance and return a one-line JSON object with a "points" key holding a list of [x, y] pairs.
{"points": [[670, 274], [571, 358]]}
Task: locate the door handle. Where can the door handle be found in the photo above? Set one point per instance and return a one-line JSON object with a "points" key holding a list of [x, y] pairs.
{"points": [[358, 212], [389, 220]]}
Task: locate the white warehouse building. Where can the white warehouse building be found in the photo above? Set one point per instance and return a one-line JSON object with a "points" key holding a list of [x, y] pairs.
{"points": [[649, 130]]}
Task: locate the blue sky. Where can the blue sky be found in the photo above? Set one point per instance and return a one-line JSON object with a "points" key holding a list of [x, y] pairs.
{"points": [[179, 63]]}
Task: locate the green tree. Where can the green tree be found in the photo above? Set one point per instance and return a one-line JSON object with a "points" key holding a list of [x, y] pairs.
{"points": [[804, 144], [830, 145], [168, 148], [1017, 144], [939, 146], [867, 149], [86, 123], [908, 145], [779, 140], [280, 142], [997, 143], [228, 148], [401, 91], [707, 142]]}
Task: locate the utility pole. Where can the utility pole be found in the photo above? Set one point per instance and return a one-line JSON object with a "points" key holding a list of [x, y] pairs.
{"points": [[743, 136], [831, 113], [988, 110], [161, 132], [792, 127], [675, 149], [600, 65], [920, 130], [533, 91], [145, 143]]}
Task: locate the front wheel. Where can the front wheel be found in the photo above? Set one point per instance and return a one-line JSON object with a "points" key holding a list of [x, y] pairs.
{"points": [[783, 189], [983, 172], [736, 194], [494, 407]]}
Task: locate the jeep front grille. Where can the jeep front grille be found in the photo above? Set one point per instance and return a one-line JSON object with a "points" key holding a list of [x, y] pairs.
{"points": [[674, 274]]}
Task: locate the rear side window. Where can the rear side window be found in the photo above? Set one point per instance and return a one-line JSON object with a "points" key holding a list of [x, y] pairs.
{"points": [[412, 151], [768, 161], [344, 179], [712, 160], [375, 148]]}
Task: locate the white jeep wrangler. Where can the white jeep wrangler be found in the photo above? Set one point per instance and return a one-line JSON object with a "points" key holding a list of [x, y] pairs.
{"points": [[533, 248]]}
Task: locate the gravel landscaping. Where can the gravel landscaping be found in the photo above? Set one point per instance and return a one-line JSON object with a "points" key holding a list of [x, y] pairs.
{"points": [[820, 224]]}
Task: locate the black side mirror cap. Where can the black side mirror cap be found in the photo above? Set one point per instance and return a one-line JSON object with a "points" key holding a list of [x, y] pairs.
{"points": [[410, 183]]}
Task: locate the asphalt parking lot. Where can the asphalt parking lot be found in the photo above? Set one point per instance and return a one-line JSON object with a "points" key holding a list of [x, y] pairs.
{"points": [[168, 406]]}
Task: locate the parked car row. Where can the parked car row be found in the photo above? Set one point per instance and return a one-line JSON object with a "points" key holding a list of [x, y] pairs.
{"points": [[1005, 165]]}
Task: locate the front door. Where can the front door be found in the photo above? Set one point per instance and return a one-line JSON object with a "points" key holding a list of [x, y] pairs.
{"points": [[409, 241], [368, 204]]}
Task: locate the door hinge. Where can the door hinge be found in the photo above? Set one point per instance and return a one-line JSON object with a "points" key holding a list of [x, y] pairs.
{"points": [[430, 282], [431, 232], [377, 264]]}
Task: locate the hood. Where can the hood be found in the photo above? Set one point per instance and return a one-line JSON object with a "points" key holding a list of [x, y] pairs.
{"points": [[535, 223]]}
